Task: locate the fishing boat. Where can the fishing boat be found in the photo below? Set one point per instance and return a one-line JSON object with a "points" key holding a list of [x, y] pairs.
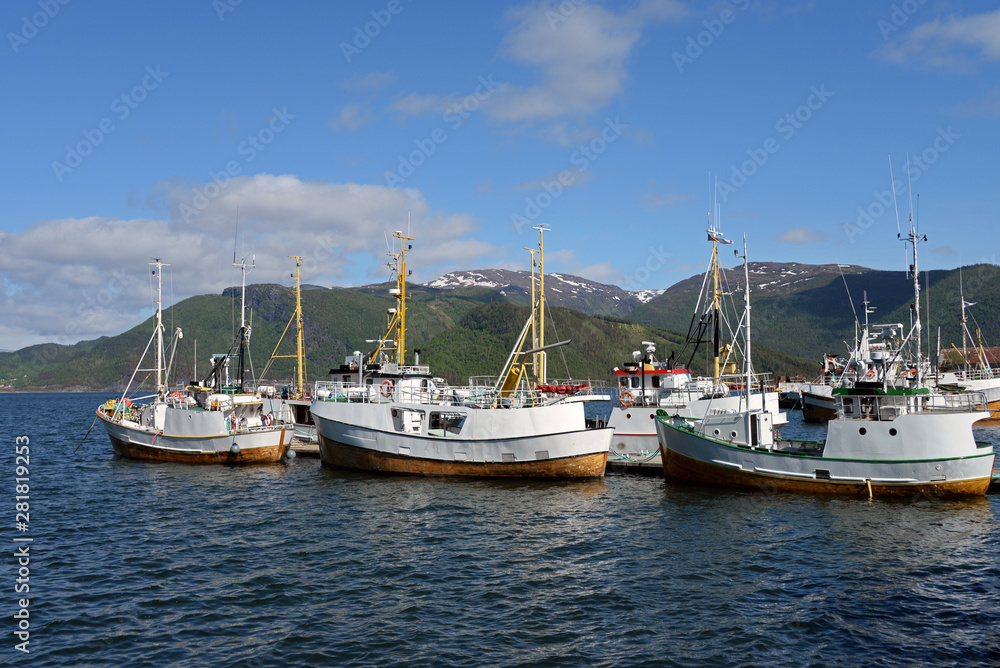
{"points": [[380, 414], [884, 441], [975, 373], [879, 358], [291, 400], [216, 420], [647, 384]]}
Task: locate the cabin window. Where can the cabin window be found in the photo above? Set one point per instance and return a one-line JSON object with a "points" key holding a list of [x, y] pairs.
{"points": [[635, 382], [623, 382], [656, 381], [407, 421], [445, 424]]}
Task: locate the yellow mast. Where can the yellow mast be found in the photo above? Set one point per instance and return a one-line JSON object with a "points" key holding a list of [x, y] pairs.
{"points": [[534, 328], [300, 341], [401, 297], [541, 371], [716, 304]]}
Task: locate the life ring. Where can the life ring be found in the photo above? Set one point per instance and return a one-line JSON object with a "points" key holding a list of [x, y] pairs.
{"points": [[625, 399], [268, 419], [386, 388], [870, 374]]}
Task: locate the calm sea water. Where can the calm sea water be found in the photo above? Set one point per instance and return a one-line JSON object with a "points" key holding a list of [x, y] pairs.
{"points": [[173, 565]]}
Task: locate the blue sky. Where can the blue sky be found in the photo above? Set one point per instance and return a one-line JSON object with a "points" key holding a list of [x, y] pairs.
{"points": [[135, 130]]}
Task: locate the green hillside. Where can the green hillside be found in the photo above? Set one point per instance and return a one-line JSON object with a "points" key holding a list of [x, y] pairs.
{"points": [[460, 333], [815, 317]]}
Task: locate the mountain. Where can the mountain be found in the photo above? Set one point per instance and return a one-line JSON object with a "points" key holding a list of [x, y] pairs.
{"points": [[809, 310], [464, 323], [580, 294]]}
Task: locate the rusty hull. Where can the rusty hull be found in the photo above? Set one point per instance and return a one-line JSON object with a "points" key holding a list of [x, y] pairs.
{"points": [[339, 455]]}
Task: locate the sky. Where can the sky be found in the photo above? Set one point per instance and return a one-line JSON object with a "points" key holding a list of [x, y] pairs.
{"points": [[199, 130]]}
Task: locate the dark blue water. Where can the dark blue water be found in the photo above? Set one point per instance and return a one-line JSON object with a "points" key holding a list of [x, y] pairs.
{"points": [[174, 565]]}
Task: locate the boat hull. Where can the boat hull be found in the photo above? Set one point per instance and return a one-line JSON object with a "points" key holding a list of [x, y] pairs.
{"points": [[635, 426], [817, 407], [546, 442], [690, 457], [340, 455], [255, 447]]}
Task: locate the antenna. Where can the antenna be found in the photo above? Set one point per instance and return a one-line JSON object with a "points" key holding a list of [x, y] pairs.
{"points": [[892, 187], [236, 232], [909, 188]]}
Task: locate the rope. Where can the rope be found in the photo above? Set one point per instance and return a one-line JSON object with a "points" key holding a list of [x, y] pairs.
{"points": [[625, 457], [85, 435]]}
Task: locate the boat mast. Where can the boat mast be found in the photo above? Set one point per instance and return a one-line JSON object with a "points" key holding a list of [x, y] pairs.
{"points": [[542, 371], [748, 370], [299, 343], [160, 379], [965, 326], [913, 238], [534, 327], [401, 297], [244, 330], [715, 236]]}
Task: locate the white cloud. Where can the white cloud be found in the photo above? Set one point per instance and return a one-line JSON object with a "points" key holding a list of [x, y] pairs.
{"points": [[372, 81], [988, 105], [954, 43], [95, 280], [415, 104], [351, 117], [669, 200], [580, 51], [803, 234]]}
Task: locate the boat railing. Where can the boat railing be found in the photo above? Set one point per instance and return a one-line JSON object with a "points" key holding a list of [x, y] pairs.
{"points": [[978, 373], [891, 406]]}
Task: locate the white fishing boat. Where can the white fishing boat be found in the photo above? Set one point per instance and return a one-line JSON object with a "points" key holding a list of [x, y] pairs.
{"points": [[383, 415], [975, 373], [884, 441], [647, 384], [217, 420], [291, 400]]}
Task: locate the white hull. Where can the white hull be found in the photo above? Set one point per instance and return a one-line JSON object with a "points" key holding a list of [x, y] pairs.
{"points": [[635, 426], [933, 452], [197, 436], [400, 437]]}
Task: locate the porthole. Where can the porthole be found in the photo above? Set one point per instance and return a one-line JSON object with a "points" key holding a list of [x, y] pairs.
{"points": [[650, 416], [862, 431], [892, 432], [628, 416], [717, 432], [732, 434]]}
